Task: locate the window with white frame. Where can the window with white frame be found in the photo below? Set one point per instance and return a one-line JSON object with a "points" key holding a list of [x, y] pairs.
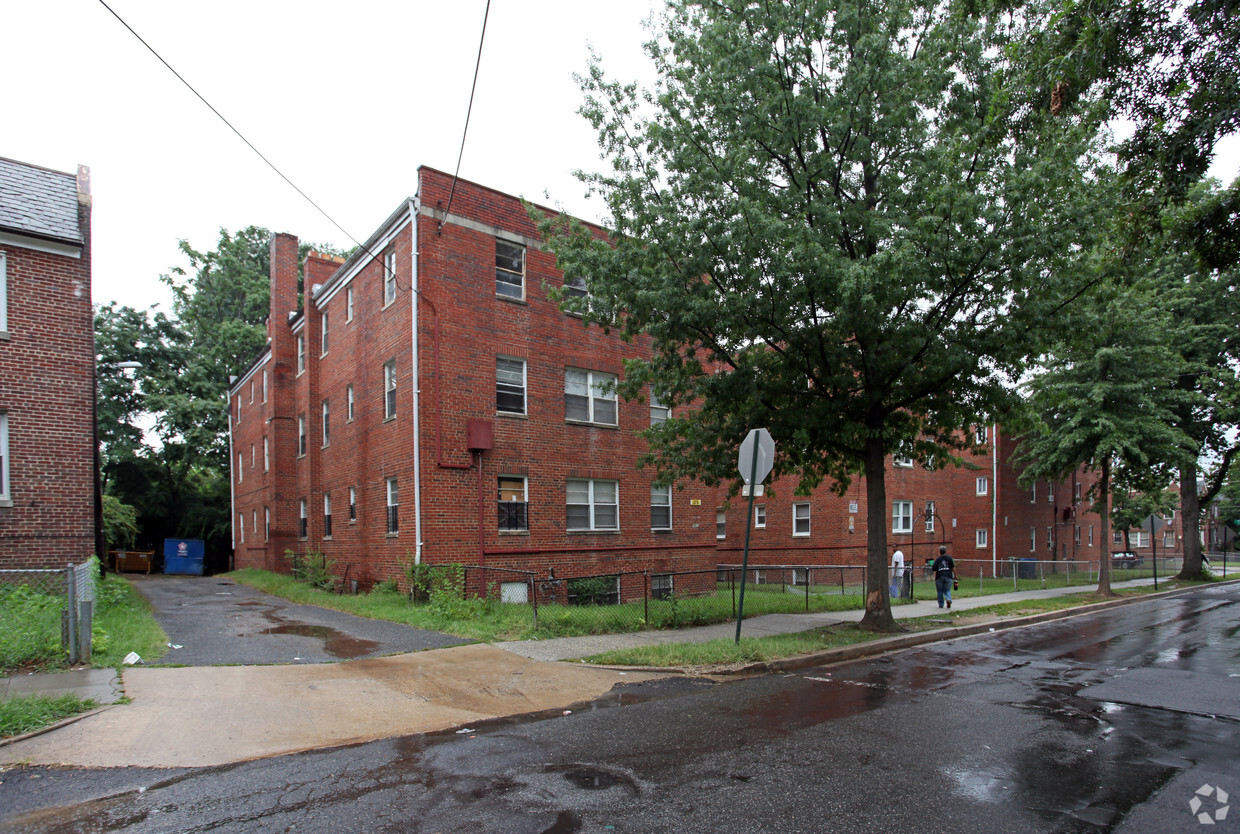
{"points": [[393, 507], [509, 269], [352, 504], [348, 303], [1139, 538], [389, 276], [514, 507], [241, 526], [1091, 535], [721, 524], [266, 523], [1050, 492], [593, 504], [589, 396], [575, 286], [254, 521], [301, 435], [1050, 538], [264, 385], [389, 389], [238, 408], [509, 385], [929, 516], [800, 518], [1168, 538], [303, 521], [240, 467], [759, 515], [658, 411], [324, 332], [301, 353], [1076, 534], [1033, 493], [327, 423], [981, 435], [1076, 492], [253, 455], [1117, 537], [348, 402], [660, 507], [902, 461], [1033, 539], [901, 516], [327, 515], [252, 394], [266, 455], [983, 486], [983, 537]]}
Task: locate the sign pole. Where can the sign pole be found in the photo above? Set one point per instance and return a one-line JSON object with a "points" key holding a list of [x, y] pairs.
{"points": [[753, 471]]}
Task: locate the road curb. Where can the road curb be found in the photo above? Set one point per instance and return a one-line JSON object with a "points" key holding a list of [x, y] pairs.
{"points": [[904, 641], [64, 722]]}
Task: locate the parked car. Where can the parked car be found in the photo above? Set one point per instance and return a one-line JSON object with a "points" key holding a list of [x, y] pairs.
{"points": [[1124, 559]]}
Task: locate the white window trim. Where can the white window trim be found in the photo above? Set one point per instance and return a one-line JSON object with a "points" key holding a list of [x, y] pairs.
{"points": [[389, 278], [759, 516], [390, 488], [389, 384], [595, 382], [659, 413], [930, 518], [353, 505], [721, 523], [522, 274], [348, 402], [327, 416], [666, 490], [302, 443], [525, 499], [902, 461], [301, 354], [898, 519], [808, 519], [982, 537], [983, 485], [348, 304], [593, 504], [525, 402]]}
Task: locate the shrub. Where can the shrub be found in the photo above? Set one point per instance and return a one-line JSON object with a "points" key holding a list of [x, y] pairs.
{"points": [[314, 569]]}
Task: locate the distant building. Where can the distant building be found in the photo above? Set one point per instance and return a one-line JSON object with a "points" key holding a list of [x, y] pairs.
{"points": [[431, 401], [47, 361]]}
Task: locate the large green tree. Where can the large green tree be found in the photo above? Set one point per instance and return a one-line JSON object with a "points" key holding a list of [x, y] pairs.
{"points": [[848, 222]]}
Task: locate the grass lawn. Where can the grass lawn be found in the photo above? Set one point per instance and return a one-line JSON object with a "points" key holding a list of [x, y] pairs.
{"points": [[24, 715]]}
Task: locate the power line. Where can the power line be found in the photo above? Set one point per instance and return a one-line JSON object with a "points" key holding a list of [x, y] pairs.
{"points": [[241, 136], [473, 88]]}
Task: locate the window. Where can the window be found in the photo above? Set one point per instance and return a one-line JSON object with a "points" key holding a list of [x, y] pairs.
{"points": [[661, 586], [510, 385], [575, 286], [595, 590], [389, 389], [252, 397], [658, 411], [721, 524], [348, 403], [1050, 538], [6, 497], [901, 516], [4, 296], [800, 519], [1033, 539], [1050, 492], [238, 408], [348, 303], [389, 276], [1168, 539], [509, 269], [1091, 535], [327, 423], [1076, 492], [593, 504], [254, 520], [241, 525], [660, 507], [240, 467], [1076, 534], [303, 526], [800, 577], [590, 396], [393, 505], [1117, 537], [980, 435], [301, 354], [266, 455], [929, 516], [327, 515], [264, 385], [252, 455], [301, 435], [759, 516], [983, 536], [514, 507], [352, 504], [1139, 538], [324, 332], [1033, 493], [266, 523], [983, 486], [902, 461]]}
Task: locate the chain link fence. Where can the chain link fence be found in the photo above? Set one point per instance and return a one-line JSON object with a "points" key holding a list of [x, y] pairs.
{"points": [[47, 615]]}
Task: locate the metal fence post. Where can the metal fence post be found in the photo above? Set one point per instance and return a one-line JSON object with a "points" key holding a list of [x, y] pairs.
{"points": [[646, 596], [71, 608]]}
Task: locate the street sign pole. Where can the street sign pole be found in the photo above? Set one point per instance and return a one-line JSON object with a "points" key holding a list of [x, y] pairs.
{"points": [[759, 448], [753, 471], [1154, 523]]}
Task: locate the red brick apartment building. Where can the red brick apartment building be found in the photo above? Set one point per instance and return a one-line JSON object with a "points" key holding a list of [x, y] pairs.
{"points": [[47, 365], [431, 402]]}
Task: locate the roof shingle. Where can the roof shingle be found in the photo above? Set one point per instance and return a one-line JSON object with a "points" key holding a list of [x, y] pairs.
{"points": [[37, 201]]}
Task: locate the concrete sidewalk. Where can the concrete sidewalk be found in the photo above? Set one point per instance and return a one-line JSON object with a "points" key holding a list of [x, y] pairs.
{"points": [[210, 715]]}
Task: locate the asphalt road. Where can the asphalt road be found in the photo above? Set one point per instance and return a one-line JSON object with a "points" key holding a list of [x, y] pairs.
{"points": [[211, 620], [1114, 721]]}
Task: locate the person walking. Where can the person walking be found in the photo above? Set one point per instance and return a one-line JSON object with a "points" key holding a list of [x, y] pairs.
{"points": [[897, 573], [944, 569]]}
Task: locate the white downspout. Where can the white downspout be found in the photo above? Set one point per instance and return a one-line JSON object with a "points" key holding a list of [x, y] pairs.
{"points": [[994, 506], [232, 475], [417, 400]]}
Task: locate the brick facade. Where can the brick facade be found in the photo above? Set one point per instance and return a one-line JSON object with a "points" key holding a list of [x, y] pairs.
{"points": [[458, 441], [47, 356]]}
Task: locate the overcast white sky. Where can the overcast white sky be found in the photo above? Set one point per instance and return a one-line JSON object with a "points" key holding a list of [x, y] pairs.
{"points": [[347, 99]]}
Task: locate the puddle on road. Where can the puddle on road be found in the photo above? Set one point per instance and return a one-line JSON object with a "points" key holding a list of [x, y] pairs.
{"points": [[335, 643]]}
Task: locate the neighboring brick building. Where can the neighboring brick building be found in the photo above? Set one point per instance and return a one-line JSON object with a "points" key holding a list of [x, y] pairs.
{"points": [[480, 435], [47, 361]]}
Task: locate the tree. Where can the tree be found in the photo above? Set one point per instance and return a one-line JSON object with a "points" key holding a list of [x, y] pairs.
{"points": [[1106, 397], [845, 221]]}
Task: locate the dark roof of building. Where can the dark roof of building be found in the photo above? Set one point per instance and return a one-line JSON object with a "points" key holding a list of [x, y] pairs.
{"points": [[38, 202]]}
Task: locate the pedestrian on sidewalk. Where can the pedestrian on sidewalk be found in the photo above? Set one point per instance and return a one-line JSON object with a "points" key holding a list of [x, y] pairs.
{"points": [[944, 569], [897, 573]]}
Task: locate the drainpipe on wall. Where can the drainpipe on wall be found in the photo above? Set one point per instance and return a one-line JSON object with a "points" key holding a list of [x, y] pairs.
{"points": [[232, 476], [417, 385], [994, 506]]}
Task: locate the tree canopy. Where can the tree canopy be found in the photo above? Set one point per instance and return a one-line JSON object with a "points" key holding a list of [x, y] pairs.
{"points": [[848, 222]]}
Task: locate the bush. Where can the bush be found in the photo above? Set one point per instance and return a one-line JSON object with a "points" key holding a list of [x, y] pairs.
{"points": [[314, 569]]}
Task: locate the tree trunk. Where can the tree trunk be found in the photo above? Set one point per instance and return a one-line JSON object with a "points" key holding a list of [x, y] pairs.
{"points": [[1190, 518], [1104, 557], [877, 602]]}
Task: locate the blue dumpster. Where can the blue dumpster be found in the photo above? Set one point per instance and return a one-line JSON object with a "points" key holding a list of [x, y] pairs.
{"points": [[184, 556]]}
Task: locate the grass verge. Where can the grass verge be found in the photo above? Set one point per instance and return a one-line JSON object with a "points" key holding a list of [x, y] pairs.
{"points": [[124, 623], [24, 715]]}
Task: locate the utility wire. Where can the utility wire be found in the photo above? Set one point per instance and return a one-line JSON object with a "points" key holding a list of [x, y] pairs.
{"points": [[470, 110], [250, 144]]}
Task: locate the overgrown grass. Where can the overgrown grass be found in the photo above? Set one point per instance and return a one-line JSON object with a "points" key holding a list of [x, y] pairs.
{"points": [[24, 715], [123, 623]]}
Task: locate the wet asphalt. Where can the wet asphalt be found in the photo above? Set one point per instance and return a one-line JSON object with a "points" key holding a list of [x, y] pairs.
{"points": [[213, 621]]}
